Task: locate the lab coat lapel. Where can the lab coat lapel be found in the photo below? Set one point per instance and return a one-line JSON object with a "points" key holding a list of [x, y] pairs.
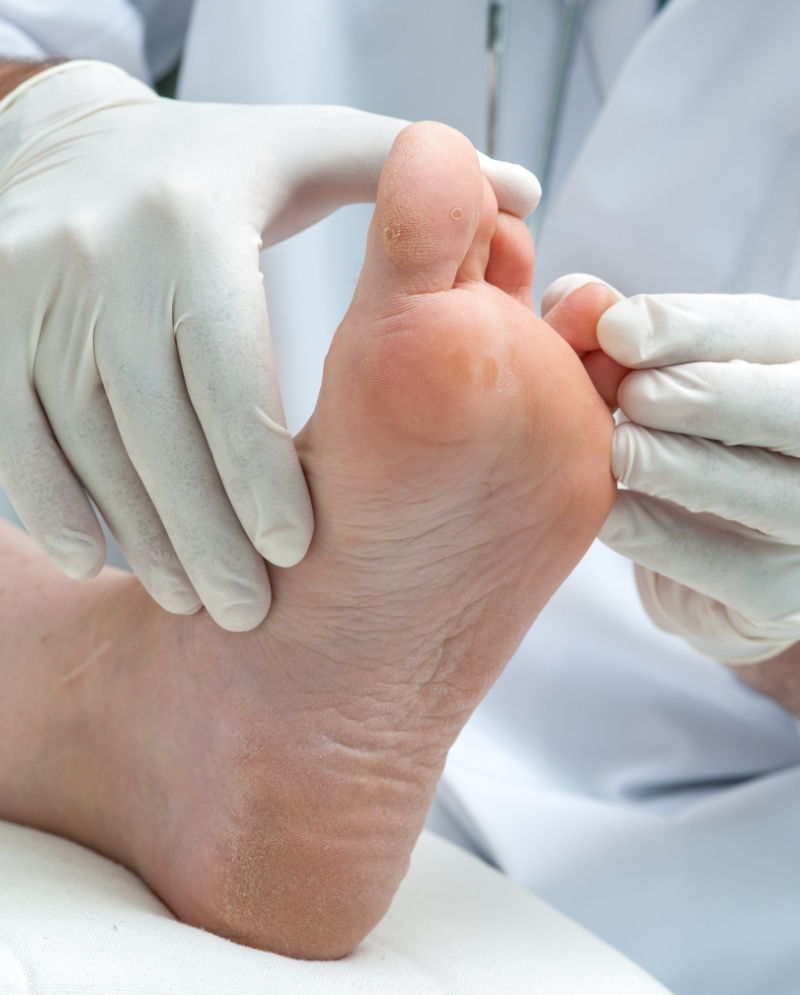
{"points": [[689, 179]]}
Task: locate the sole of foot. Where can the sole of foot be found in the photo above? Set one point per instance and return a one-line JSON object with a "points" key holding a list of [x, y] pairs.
{"points": [[270, 786]]}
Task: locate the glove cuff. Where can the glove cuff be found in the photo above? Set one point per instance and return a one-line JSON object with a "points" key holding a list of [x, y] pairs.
{"points": [[710, 627], [63, 93]]}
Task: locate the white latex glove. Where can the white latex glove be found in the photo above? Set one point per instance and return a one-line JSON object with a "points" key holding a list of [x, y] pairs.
{"points": [[136, 351], [712, 459]]}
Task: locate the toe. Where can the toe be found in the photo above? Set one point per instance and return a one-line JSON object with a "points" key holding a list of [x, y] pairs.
{"points": [[473, 267], [417, 348], [428, 210], [606, 374], [575, 318], [510, 266]]}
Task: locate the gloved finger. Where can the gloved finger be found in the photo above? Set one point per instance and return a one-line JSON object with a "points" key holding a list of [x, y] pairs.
{"points": [[517, 190], [222, 333], [758, 488], [652, 330], [42, 487], [738, 403], [708, 625], [319, 159], [78, 411], [164, 440], [326, 157], [745, 570]]}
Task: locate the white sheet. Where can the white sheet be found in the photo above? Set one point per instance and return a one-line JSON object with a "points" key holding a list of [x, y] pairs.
{"points": [[74, 923]]}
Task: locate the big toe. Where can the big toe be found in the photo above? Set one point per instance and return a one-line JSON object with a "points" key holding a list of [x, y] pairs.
{"points": [[429, 208], [417, 351]]}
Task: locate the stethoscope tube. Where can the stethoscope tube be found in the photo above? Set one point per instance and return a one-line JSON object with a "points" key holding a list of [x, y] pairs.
{"points": [[570, 29], [498, 15], [494, 42]]}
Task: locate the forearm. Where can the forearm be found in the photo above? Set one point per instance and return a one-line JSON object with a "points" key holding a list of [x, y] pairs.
{"points": [[34, 596], [50, 627], [13, 73]]}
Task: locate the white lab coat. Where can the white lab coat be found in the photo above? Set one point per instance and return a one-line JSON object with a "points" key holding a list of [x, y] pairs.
{"points": [[637, 786], [144, 37]]}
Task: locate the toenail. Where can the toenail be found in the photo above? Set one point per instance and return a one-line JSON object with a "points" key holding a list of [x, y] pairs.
{"points": [[457, 213]]}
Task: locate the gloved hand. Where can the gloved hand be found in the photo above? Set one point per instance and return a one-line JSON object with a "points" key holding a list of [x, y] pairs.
{"points": [[711, 454], [136, 352]]}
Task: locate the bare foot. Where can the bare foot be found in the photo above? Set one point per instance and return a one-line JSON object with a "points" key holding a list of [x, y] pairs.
{"points": [[270, 786]]}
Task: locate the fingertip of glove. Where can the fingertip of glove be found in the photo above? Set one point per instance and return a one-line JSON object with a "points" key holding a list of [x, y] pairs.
{"points": [[627, 332], [79, 557], [180, 603], [78, 570], [517, 190], [286, 548], [239, 602], [234, 587], [520, 193], [243, 616], [283, 536], [193, 610], [164, 579]]}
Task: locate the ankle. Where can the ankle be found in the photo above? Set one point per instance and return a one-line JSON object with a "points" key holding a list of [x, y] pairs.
{"points": [[55, 772]]}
